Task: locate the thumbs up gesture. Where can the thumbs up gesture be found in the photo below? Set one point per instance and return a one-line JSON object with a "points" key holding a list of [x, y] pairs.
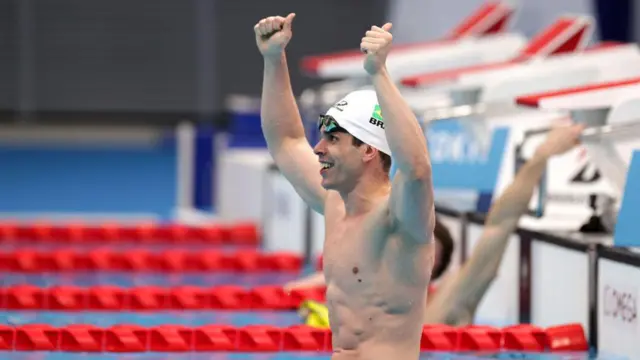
{"points": [[273, 34], [376, 45]]}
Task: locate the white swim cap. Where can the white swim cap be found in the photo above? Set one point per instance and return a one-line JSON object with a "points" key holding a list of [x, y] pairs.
{"points": [[359, 114]]}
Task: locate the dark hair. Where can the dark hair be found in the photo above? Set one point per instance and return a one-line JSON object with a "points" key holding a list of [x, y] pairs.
{"points": [[386, 159], [442, 235]]}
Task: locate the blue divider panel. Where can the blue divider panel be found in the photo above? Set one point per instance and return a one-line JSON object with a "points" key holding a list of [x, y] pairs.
{"points": [[203, 169], [245, 131], [626, 232]]}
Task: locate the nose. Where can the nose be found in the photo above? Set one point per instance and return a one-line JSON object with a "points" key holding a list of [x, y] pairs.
{"points": [[320, 148]]}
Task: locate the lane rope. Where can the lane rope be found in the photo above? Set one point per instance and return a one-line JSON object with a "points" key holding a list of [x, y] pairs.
{"points": [[113, 232], [145, 298], [264, 338], [144, 260]]}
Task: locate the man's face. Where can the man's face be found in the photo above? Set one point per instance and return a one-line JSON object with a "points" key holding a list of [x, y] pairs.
{"points": [[341, 161]]}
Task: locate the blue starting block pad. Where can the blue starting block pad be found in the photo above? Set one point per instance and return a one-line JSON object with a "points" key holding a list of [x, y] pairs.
{"points": [[626, 231]]}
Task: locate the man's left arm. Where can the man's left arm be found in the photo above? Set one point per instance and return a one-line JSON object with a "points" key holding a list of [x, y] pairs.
{"points": [[411, 204]]}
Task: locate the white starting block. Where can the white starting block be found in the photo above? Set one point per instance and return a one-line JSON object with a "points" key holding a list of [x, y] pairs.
{"points": [[487, 106], [548, 53], [611, 112], [568, 34], [490, 93], [491, 112], [479, 38]]}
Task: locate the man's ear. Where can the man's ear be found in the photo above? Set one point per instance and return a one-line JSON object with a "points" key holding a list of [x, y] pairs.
{"points": [[368, 153]]}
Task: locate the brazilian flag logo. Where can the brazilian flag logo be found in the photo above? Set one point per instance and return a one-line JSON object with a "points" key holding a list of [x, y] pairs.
{"points": [[376, 118], [377, 113]]}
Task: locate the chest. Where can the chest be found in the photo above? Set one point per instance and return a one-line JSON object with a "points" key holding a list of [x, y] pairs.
{"points": [[364, 252], [351, 249]]}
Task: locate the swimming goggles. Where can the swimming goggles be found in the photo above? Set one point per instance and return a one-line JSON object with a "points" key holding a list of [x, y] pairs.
{"points": [[330, 124]]}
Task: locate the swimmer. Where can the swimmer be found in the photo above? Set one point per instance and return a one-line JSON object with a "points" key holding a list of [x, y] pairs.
{"points": [[459, 294], [379, 248]]}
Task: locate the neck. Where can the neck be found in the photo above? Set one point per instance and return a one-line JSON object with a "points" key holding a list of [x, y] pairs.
{"points": [[365, 195]]}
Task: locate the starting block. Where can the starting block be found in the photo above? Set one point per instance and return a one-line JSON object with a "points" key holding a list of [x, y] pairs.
{"points": [[490, 94], [568, 34], [437, 86], [488, 89], [611, 113], [479, 38], [504, 125], [471, 136]]}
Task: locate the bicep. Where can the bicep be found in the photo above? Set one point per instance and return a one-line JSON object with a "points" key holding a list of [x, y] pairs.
{"points": [[411, 206], [299, 165]]}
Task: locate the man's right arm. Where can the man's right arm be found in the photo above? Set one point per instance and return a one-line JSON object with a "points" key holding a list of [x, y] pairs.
{"points": [[280, 117]]}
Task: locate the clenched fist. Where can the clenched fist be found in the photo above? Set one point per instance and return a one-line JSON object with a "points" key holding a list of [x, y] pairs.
{"points": [[376, 45], [273, 34], [561, 139]]}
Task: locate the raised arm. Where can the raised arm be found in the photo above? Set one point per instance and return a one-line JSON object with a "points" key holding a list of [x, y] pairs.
{"points": [[411, 203], [456, 302], [281, 121]]}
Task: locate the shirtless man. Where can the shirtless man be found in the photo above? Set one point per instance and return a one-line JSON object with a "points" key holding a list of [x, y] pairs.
{"points": [[459, 294], [379, 249]]}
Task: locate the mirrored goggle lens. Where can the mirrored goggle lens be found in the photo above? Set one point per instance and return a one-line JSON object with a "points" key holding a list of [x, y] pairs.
{"points": [[328, 122]]}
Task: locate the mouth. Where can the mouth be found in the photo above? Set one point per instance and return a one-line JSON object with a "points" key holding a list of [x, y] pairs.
{"points": [[325, 166]]}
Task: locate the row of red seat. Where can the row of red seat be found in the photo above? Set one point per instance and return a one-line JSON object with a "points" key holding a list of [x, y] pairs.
{"points": [[180, 260], [101, 298], [240, 233], [263, 338]]}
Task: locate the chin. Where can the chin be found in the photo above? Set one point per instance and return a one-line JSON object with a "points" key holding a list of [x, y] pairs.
{"points": [[327, 185]]}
